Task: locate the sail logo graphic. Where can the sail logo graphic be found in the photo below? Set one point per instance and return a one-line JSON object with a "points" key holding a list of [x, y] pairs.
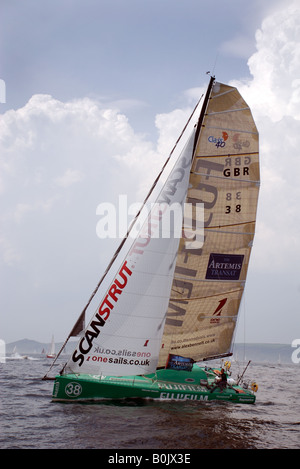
{"points": [[240, 143], [216, 315], [219, 141]]}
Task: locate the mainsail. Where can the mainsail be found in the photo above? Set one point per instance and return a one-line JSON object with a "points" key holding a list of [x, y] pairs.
{"points": [[209, 280]]}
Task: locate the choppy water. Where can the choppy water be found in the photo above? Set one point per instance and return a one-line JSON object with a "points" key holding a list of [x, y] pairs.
{"points": [[28, 418]]}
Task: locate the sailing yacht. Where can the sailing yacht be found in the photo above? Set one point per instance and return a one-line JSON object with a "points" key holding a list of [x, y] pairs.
{"points": [[51, 353], [172, 306]]}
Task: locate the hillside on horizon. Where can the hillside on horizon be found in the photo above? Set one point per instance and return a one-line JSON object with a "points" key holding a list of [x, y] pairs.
{"points": [[257, 353]]}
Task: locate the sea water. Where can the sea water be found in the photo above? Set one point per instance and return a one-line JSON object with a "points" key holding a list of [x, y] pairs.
{"points": [[28, 418]]}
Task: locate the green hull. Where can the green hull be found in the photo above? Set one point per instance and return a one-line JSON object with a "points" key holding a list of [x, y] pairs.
{"points": [[162, 385]]}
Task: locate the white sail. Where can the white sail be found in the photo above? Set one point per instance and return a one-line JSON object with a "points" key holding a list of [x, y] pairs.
{"points": [[124, 335], [51, 353], [209, 281]]}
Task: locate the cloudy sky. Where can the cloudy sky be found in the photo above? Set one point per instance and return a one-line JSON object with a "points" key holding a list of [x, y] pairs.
{"points": [[97, 92]]}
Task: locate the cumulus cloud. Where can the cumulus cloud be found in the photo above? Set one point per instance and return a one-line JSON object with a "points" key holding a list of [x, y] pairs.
{"points": [[59, 156], [275, 65], [58, 161], [71, 176], [274, 96]]}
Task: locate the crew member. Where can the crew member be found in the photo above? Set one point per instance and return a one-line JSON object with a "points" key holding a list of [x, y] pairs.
{"points": [[222, 383]]}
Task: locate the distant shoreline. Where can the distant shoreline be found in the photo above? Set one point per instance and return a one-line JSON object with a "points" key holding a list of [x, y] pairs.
{"points": [[256, 352]]}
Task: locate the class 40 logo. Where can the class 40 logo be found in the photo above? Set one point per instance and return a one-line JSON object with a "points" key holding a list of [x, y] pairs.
{"points": [[219, 141]]}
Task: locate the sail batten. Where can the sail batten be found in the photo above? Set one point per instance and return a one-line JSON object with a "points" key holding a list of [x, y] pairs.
{"points": [[229, 110], [229, 155], [215, 127], [205, 280], [249, 181], [213, 229], [219, 95]]}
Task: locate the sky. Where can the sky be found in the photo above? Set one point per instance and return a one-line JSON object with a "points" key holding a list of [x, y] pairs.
{"points": [[96, 94]]}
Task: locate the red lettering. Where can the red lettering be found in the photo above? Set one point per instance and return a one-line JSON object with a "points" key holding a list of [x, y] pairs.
{"points": [[123, 276], [116, 289], [142, 243], [113, 291], [106, 310], [119, 284]]}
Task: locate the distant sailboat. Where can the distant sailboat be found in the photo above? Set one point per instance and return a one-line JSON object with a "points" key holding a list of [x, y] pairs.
{"points": [[16, 356], [174, 302], [51, 353]]}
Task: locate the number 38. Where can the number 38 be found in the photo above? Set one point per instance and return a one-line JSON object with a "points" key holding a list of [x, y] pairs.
{"points": [[229, 197], [238, 208]]}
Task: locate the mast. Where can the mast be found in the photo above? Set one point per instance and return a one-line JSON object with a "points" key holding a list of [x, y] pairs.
{"points": [[203, 110], [211, 270]]}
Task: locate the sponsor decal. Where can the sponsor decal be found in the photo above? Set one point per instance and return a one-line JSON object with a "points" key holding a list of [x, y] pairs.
{"points": [[216, 315], [206, 339], [176, 362], [224, 266], [102, 315], [118, 361], [124, 357], [181, 396], [56, 388]]}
